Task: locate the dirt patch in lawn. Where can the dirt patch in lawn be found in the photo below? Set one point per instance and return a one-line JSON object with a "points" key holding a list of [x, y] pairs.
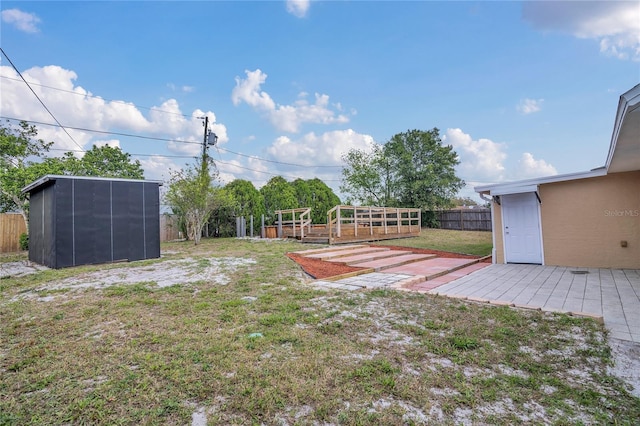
{"points": [[320, 269]]}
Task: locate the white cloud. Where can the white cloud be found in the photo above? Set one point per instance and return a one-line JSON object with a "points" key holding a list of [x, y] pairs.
{"points": [[614, 24], [158, 167], [286, 118], [27, 22], [298, 8], [310, 150], [529, 167], [483, 161], [81, 108], [529, 106], [324, 149], [480, 159]]}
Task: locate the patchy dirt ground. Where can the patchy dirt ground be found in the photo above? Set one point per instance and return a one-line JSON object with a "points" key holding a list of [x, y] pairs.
{"points": [[164, 274], [389, 329]]}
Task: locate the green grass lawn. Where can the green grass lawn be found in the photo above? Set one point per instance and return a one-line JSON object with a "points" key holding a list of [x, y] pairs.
{"points": [[245, 338], [466, 242]]}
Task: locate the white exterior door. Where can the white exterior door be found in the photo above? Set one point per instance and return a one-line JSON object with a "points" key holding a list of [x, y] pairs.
{"points": [[521, 222]]}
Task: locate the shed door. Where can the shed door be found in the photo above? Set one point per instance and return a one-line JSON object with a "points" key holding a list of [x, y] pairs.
{"points": [[521, 219]]}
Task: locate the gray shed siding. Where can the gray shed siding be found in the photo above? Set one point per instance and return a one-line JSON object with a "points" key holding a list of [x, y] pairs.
{"points": [[80, 221]]}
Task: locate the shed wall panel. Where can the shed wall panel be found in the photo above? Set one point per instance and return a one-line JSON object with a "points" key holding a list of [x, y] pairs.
{"points": [[78, 221], [62, 256], [36, 235], [123, 220], [152, 220]]}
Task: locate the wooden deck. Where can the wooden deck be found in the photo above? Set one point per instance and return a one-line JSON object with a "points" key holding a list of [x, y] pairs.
{"points": [[348, 224]]}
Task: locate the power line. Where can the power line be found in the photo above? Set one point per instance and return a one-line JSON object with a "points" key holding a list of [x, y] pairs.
{"points": [[99, 97], [269, 173], [133, 155], [40, 100], [102, 131], [274, 161], [169, 140]]}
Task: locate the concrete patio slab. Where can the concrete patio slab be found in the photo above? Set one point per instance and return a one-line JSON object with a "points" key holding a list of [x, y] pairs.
{"points": [[325, 255], [368, 257], [613, 294], [384, 264], [430, 267]]}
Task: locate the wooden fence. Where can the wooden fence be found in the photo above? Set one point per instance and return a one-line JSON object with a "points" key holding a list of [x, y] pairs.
{"points": [[465, 220], [11, 227], [169, 229]]}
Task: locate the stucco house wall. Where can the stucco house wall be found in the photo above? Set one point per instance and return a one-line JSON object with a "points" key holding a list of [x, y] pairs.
{"points": [[498, 243], [586, 222], [584, 219]]}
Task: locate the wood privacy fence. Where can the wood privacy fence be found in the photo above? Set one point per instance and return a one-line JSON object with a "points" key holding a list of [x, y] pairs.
{"points": [[169, 228], [465, 220], [11, 227]]}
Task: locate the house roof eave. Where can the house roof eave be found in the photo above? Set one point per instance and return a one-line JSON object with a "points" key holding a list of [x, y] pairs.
{"points": [[516, 187], [624, 149]]}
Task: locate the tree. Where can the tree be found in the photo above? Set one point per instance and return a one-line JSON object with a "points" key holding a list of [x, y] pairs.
{"points": [[104, 161], [367, 177], [247, 199], [22, 162], [192, 197], [464, 201], [413, 169], [316, 194], [277, 195], [423, 170], [223, 218], [18, 147]]}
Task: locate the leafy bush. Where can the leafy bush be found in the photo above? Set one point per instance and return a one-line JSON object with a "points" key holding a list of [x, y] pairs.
{"points": [[24, 241]]}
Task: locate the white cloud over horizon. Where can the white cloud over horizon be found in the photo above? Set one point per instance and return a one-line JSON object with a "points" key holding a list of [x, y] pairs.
{"points": [[529, 106], [23, 21], [298, 8], [286, 118], [74, 106], [484, 161], [529, 167], [615, 25], [480, 159]]}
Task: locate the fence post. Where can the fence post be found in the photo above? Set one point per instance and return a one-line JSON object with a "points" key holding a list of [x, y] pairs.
{"points": [[262, 230], [251, 227], [384, 216], [355, 221], [279, 224]]}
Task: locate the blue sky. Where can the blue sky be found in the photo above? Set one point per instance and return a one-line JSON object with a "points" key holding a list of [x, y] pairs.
{"points": [[519, 89]]}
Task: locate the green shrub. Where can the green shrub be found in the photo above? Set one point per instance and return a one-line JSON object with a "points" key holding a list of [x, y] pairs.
{"points": [[24, 241]]}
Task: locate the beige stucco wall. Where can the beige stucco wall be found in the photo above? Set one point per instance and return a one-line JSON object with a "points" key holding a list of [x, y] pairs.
{"points": [[584, 221], [498, 244]]}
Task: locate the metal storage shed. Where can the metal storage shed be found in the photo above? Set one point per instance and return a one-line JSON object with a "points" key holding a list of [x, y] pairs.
{"points": [[86, 220]]}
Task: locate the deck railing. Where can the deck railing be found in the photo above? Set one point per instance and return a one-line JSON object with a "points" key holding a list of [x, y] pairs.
{"points": [[302, 221], [367, 218]]}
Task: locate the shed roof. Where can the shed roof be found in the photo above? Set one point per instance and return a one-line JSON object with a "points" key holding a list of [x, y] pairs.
{"points": [[624, 151], [47, 178]]}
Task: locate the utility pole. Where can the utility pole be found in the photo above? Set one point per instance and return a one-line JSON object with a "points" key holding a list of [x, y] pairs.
{"points": [[209, 138], [204, 141]]}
